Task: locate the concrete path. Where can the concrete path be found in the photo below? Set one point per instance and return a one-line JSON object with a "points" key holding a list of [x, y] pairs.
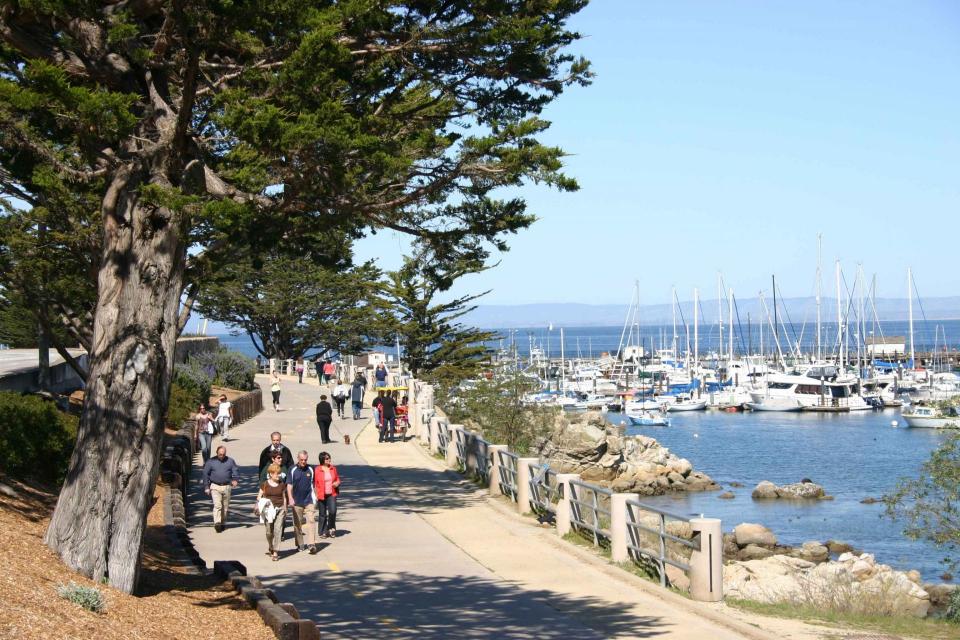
{"points": [[422, 554]]}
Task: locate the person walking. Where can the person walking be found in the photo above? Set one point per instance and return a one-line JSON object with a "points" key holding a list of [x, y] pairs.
{"points": [[276, 459], [300, 496], [300, 369], [357, 390], [224, 417], [329, 370], [380, 376], [220, 476], [326, 485], [266, 456], [324, 418], [275, 390], [377, 415], [340, 393], [388, 413], [203, 432], [271, 506]]}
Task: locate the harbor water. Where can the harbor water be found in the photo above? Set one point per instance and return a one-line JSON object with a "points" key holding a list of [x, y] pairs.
{"points": [[853, 456]]}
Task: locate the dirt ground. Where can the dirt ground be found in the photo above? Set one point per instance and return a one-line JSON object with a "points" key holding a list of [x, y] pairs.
{"points": [[171, 602]]}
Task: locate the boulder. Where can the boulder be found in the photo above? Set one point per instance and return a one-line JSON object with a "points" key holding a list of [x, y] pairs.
{"points": [[813, 552], [727, 495], [940, 595], [856, 584], [749, 533], [801, 491], [674, 477], [754, 552], [681, 466], [730, 548], [766, 490], [837, 547]]}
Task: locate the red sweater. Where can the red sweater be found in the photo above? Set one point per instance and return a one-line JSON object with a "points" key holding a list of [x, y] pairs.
{"points": [[318, 484]]}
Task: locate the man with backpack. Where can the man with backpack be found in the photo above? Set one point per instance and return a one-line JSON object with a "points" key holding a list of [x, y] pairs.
{"points": [[357, 390]]}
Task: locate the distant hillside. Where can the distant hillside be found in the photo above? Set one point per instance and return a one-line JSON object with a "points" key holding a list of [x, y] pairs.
{"points": [[792, 309]]}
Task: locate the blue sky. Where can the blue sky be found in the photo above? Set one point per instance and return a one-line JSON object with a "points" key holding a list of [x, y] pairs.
{"points": [[723, 136]]}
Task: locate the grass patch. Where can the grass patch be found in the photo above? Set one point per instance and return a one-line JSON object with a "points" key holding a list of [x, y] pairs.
{"points": [[90, 598], [926, 629]]}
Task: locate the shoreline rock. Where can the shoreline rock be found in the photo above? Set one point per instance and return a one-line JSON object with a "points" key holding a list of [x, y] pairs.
{"points": [[850, 581], [806, 489], [586, 444]]}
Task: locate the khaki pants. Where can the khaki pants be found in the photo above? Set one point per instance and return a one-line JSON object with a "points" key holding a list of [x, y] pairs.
{"points": [[305, 515], [274, 531], [221, 502]]}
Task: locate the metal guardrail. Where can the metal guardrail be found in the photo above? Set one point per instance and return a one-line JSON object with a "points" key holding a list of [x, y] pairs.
{"points": [[460, 437], [483, 459], [443, 437], [585, 499], [544, 492], [659, 536], [508, 473]]}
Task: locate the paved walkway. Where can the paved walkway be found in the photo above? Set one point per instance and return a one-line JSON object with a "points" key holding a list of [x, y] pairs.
{"points": [[422, 554]]}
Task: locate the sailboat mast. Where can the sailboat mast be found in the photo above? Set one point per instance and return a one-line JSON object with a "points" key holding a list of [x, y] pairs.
{"points": [[910, 314], [696, 333], [673, 311], [562, 363], [776, 327], [720, 309], [839, 318], [730, 316], [819, 285]]}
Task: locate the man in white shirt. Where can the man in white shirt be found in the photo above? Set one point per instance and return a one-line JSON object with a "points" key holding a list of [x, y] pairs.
{"points": [[224, 417]]}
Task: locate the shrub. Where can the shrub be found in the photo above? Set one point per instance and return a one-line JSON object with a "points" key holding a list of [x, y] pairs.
{"points": [[953, 609], [194, 380], [34, 433], [89, 598], [230, 369], [182, 405]]}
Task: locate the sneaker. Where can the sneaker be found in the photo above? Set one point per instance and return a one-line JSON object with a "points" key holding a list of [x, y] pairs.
{"points": [[218, 527]]}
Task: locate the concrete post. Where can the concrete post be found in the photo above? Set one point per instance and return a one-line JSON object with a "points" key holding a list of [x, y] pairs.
{"points": [[435, 434], [563, 504], [495, 468], [274, 364], [452, 460], [471, 461], [619, 535], [706, 565], [523, 483]]}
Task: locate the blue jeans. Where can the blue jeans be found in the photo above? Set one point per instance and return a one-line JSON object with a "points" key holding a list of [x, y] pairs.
{"points": [[327, 514], [380, 383], [357, 404]]}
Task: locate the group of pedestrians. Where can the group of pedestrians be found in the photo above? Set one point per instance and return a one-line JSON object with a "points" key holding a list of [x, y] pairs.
{"points": [[207, 425], [308, 492]]}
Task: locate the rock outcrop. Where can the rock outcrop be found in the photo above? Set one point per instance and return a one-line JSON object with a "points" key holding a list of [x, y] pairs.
{"points": [[856, 583], [586, 444], [804, 490]]}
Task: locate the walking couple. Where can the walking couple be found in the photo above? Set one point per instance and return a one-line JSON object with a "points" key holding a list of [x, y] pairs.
{"points": [[310, 491]]}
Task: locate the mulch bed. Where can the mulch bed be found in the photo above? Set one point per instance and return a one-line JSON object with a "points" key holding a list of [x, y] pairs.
{"points": [[172, 603]]}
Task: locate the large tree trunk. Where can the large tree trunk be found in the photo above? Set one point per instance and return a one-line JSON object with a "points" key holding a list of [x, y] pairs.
{"points": [[98, 524]]}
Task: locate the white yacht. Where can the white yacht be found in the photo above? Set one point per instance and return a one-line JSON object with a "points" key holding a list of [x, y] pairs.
{"points": [[929, 417], [815, 391]]}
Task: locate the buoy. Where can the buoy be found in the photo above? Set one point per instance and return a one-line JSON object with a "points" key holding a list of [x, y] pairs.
{"points": [[893, 424], [696, 435]]}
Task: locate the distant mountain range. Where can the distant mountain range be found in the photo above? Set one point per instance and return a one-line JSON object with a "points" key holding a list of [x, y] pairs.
{"points": [[797, 310]]}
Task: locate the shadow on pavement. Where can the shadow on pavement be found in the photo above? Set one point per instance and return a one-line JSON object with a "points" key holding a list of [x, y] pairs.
{"points": [[368, 604]]}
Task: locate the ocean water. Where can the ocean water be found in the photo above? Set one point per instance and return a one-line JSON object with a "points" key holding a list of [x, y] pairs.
{"points": [[854, 456], [586, 342]]}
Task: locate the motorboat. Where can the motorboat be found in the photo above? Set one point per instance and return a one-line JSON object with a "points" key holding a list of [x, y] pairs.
{"points": [[684, 403], [775, 404], [648, 419], [931, 417], [820, 389]]}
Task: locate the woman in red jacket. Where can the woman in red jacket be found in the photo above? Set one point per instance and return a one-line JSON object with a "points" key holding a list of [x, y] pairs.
{"points": [[326, 484]]}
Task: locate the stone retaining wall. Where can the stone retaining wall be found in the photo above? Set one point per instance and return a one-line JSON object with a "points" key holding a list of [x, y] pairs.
{"points": [[282, 617]]}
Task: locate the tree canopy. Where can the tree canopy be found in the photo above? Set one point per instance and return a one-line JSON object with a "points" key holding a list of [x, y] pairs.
{"points": [[201, 128], [436, 345], [290, 306]]}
